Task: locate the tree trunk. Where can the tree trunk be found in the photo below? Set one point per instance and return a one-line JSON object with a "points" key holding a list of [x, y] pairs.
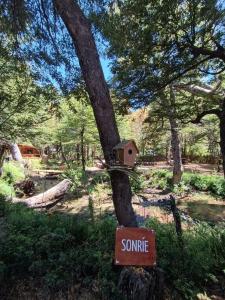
{"points": [[47, 198], [15, 151], [80, 31], [87, 153], [63, 155], [175, 138], [168, 152], [222, 133], [93, 151], [176, 150], [78, 153], [142, 284], [82, 149], [2, 152]]}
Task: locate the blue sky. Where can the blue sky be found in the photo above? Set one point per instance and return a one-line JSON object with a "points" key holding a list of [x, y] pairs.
{"points": [[106, 69]]}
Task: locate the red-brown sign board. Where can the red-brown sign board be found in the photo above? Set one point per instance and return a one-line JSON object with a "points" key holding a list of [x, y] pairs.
{"points": [[135, 247]]}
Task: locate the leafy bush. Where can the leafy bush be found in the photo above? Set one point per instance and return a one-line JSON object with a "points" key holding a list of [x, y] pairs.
{"points": [[101, 178], [6, 189], [77, 176], [12, 172], [202, 256], [59, 249], [209, 183], [34, 163], [63, 250], [161, 179], [137, 183]]}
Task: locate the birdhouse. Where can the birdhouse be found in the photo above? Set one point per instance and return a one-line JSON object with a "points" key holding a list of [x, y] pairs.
{"points": [[126, 152]]}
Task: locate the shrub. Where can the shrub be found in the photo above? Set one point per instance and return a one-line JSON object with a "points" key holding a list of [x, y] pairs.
{"points": [[203, 255], [63, 250], [208, 183], [137, 183], [77, 176], [161, 179], [12, 172], [101, 178], [6, 189], [59, 249]]}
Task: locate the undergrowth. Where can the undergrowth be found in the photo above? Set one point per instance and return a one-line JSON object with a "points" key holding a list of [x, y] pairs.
{"points": [[62, 250], [12, 172], [190, 269], [208, 183]]}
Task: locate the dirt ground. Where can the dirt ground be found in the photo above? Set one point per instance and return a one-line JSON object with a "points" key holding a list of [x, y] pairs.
{"points": [[198, 205], [190, 167]]}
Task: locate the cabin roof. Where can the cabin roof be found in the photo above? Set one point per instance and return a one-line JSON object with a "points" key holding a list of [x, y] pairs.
{"points": [[26, 146], [124, 143]]}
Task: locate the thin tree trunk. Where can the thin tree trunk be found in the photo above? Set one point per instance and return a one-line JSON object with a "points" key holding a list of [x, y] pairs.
{"points": [[87, 153], [63, 155], [93, 151], [78, 153], [176, 150], [222, 133], [15, 152], [80, 31], [168, 152], [82, 149], [175, 140], [2, 152]]}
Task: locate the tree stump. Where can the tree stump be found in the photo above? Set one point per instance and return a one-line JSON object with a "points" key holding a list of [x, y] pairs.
{"points": [[142, 283]]}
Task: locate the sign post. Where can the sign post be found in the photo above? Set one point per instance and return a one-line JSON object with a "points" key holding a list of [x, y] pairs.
{"points": [[135, 247]]}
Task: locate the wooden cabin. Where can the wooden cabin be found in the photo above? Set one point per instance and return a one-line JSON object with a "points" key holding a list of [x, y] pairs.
{"points": [[126, 153], [29, 151]]}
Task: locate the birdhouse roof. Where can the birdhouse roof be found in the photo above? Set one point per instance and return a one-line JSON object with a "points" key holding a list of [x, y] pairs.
{"points": [[124, 143]]}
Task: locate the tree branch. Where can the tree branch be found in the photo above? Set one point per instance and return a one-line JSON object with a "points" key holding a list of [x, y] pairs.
{"points": [[218, 53], [201, 91], [216, 112]]}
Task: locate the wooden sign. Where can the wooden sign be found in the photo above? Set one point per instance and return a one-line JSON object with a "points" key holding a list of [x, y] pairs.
{"points": [[135, 247]]}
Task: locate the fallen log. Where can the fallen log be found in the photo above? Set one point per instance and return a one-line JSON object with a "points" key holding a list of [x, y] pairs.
{"points": [[48, 198]]}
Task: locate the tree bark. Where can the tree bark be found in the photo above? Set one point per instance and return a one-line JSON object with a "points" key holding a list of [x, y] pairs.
{"points": [[168, 152], [176, 150], [2, 152], [222, 133], [47, 198], [80, 30], [82, 149], [15, 151], [63, 155], [78, 153], [87, 153], [175, 138]]}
